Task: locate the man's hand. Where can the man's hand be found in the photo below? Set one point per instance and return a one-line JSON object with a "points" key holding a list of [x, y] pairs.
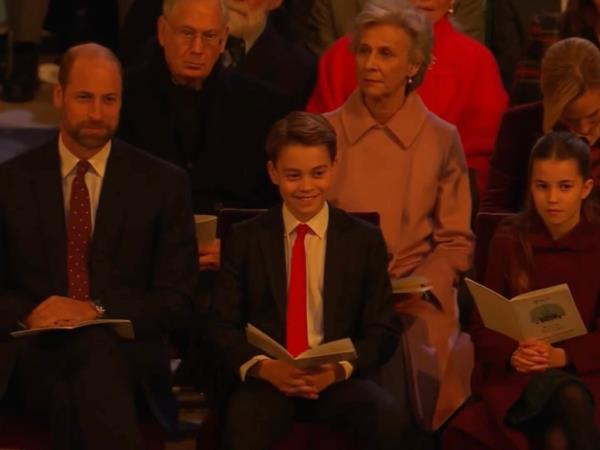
{"points": [[532, 355], [323, 377], [60, 311], [286, 378], [209, 255]]}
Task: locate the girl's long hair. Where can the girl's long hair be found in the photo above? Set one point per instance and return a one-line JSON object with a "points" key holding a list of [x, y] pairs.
{"points": [[559, 146]]}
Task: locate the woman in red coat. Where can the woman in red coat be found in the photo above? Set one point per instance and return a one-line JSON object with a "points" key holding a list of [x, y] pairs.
{"points": [[555, 241], [462, 86]]}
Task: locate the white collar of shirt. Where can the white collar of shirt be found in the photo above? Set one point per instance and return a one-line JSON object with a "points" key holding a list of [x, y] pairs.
{"points": [[318, 223], [68, 160]]}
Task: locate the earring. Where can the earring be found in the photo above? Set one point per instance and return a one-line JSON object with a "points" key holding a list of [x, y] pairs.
{"points": [[409, 80]]}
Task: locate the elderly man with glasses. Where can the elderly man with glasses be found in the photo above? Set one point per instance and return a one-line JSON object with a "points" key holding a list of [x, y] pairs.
{"points": [[185, 107]]}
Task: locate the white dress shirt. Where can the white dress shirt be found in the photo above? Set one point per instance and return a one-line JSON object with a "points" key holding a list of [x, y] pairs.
{"points": [[315, 244], [93, 177]]}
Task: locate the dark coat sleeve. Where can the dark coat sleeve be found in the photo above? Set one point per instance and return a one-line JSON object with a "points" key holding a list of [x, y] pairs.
{"points": [[226, 328], [519, 130], [379, 328], [164, 305]]}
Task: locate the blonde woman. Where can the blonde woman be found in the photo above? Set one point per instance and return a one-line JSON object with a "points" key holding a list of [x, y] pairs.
{"points": [[570, 84]]}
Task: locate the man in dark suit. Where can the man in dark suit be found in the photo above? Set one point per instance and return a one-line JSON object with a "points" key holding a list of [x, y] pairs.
{"points": [[337, 286], [186, 108], [257, 49], [91, 225]]}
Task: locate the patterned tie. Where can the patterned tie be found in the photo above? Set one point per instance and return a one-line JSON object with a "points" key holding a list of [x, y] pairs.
{"points": [[79, 228], [296, 333]]}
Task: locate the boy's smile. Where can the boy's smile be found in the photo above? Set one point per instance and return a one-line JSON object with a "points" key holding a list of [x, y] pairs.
{"points": [[303, 175]]}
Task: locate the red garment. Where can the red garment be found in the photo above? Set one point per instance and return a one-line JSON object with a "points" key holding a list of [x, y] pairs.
{"points": [[462, 86], [574, 260]]}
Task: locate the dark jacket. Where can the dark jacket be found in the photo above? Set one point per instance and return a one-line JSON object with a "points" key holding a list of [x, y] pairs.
{"points": [[142, 261], [217, 134], [251, 287]]}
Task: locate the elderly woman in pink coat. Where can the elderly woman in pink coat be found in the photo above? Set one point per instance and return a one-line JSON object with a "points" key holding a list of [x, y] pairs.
{"points": [[401, 160]]}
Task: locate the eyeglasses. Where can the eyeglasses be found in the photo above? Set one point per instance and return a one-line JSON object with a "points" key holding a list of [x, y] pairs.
{"points": [[187, 36]]}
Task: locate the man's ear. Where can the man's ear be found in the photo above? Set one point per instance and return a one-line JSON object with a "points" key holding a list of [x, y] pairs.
{"points": [[57, 96], [273, 175], [161, 29], [273, 4], [224, 38]]}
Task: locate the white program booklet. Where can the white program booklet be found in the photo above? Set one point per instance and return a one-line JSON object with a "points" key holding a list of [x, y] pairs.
{"points": [[549, 314], [413, 284], [330, 352], [123, 327]]}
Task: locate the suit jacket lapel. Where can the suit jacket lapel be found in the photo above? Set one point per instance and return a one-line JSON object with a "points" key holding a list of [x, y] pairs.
{"points": [[110, 213], [333, 276], [47, 186], [274, 257]]}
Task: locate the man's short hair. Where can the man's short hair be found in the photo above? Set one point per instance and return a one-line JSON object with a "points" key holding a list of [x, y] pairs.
{"points": [[71, 55], [301, 128], [168, 6]]}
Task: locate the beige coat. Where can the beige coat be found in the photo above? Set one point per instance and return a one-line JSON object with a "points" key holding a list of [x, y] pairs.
{"points": [[412, 171]]}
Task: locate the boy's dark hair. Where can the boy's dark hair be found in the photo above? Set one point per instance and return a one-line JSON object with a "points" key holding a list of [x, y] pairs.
{"points": [[301, 128]]}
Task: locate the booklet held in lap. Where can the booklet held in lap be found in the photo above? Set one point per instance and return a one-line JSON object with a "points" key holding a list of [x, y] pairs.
{"points": [[330, 352], [122, 327], [549, 314]]}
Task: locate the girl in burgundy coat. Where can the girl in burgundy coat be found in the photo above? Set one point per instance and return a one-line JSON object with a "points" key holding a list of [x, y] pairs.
{"points": [[555, 240]]}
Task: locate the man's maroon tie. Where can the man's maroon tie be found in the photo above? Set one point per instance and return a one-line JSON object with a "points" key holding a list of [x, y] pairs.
{"points": [[79, 230], [296, 329]]}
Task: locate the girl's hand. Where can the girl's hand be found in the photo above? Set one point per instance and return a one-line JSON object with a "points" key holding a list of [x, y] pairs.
{"points": [[532, 355]]}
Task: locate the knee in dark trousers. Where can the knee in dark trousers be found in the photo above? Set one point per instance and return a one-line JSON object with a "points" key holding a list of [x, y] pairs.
{"points": [[82, 381], [257, 416]]}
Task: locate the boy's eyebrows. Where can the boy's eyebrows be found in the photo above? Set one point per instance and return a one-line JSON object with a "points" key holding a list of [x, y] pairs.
{"points": [[292, 169]]}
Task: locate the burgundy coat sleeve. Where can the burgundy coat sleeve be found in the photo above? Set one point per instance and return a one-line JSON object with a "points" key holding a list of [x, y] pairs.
{"points": [[584, 351]]}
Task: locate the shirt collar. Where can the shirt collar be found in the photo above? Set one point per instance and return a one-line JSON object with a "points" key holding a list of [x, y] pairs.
{"points": [[404, 125], [68, 160], [318, 223]]}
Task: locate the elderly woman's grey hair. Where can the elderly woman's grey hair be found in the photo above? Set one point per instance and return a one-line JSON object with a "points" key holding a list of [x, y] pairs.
{"points": [[407, 17], [168, 6]]}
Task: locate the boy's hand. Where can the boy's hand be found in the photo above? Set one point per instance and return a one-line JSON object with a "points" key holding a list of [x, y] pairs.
{"points": [[323, 377], [209, 256], [286, 378]]}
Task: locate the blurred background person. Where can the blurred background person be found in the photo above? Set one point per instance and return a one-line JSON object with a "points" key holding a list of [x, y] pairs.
{"points": [[570, 85], [580, 18], [329, 20], [509, 27], [401, 160], [26, 23], [256, 48]]}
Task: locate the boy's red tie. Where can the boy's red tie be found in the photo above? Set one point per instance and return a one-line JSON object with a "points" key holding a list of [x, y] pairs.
{"points": [[296, 329]]}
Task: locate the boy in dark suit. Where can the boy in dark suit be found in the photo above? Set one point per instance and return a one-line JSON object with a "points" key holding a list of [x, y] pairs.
{"points": [[304, 273]]}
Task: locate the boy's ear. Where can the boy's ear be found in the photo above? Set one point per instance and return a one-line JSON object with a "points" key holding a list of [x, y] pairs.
{"points": [[273, 173]]}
